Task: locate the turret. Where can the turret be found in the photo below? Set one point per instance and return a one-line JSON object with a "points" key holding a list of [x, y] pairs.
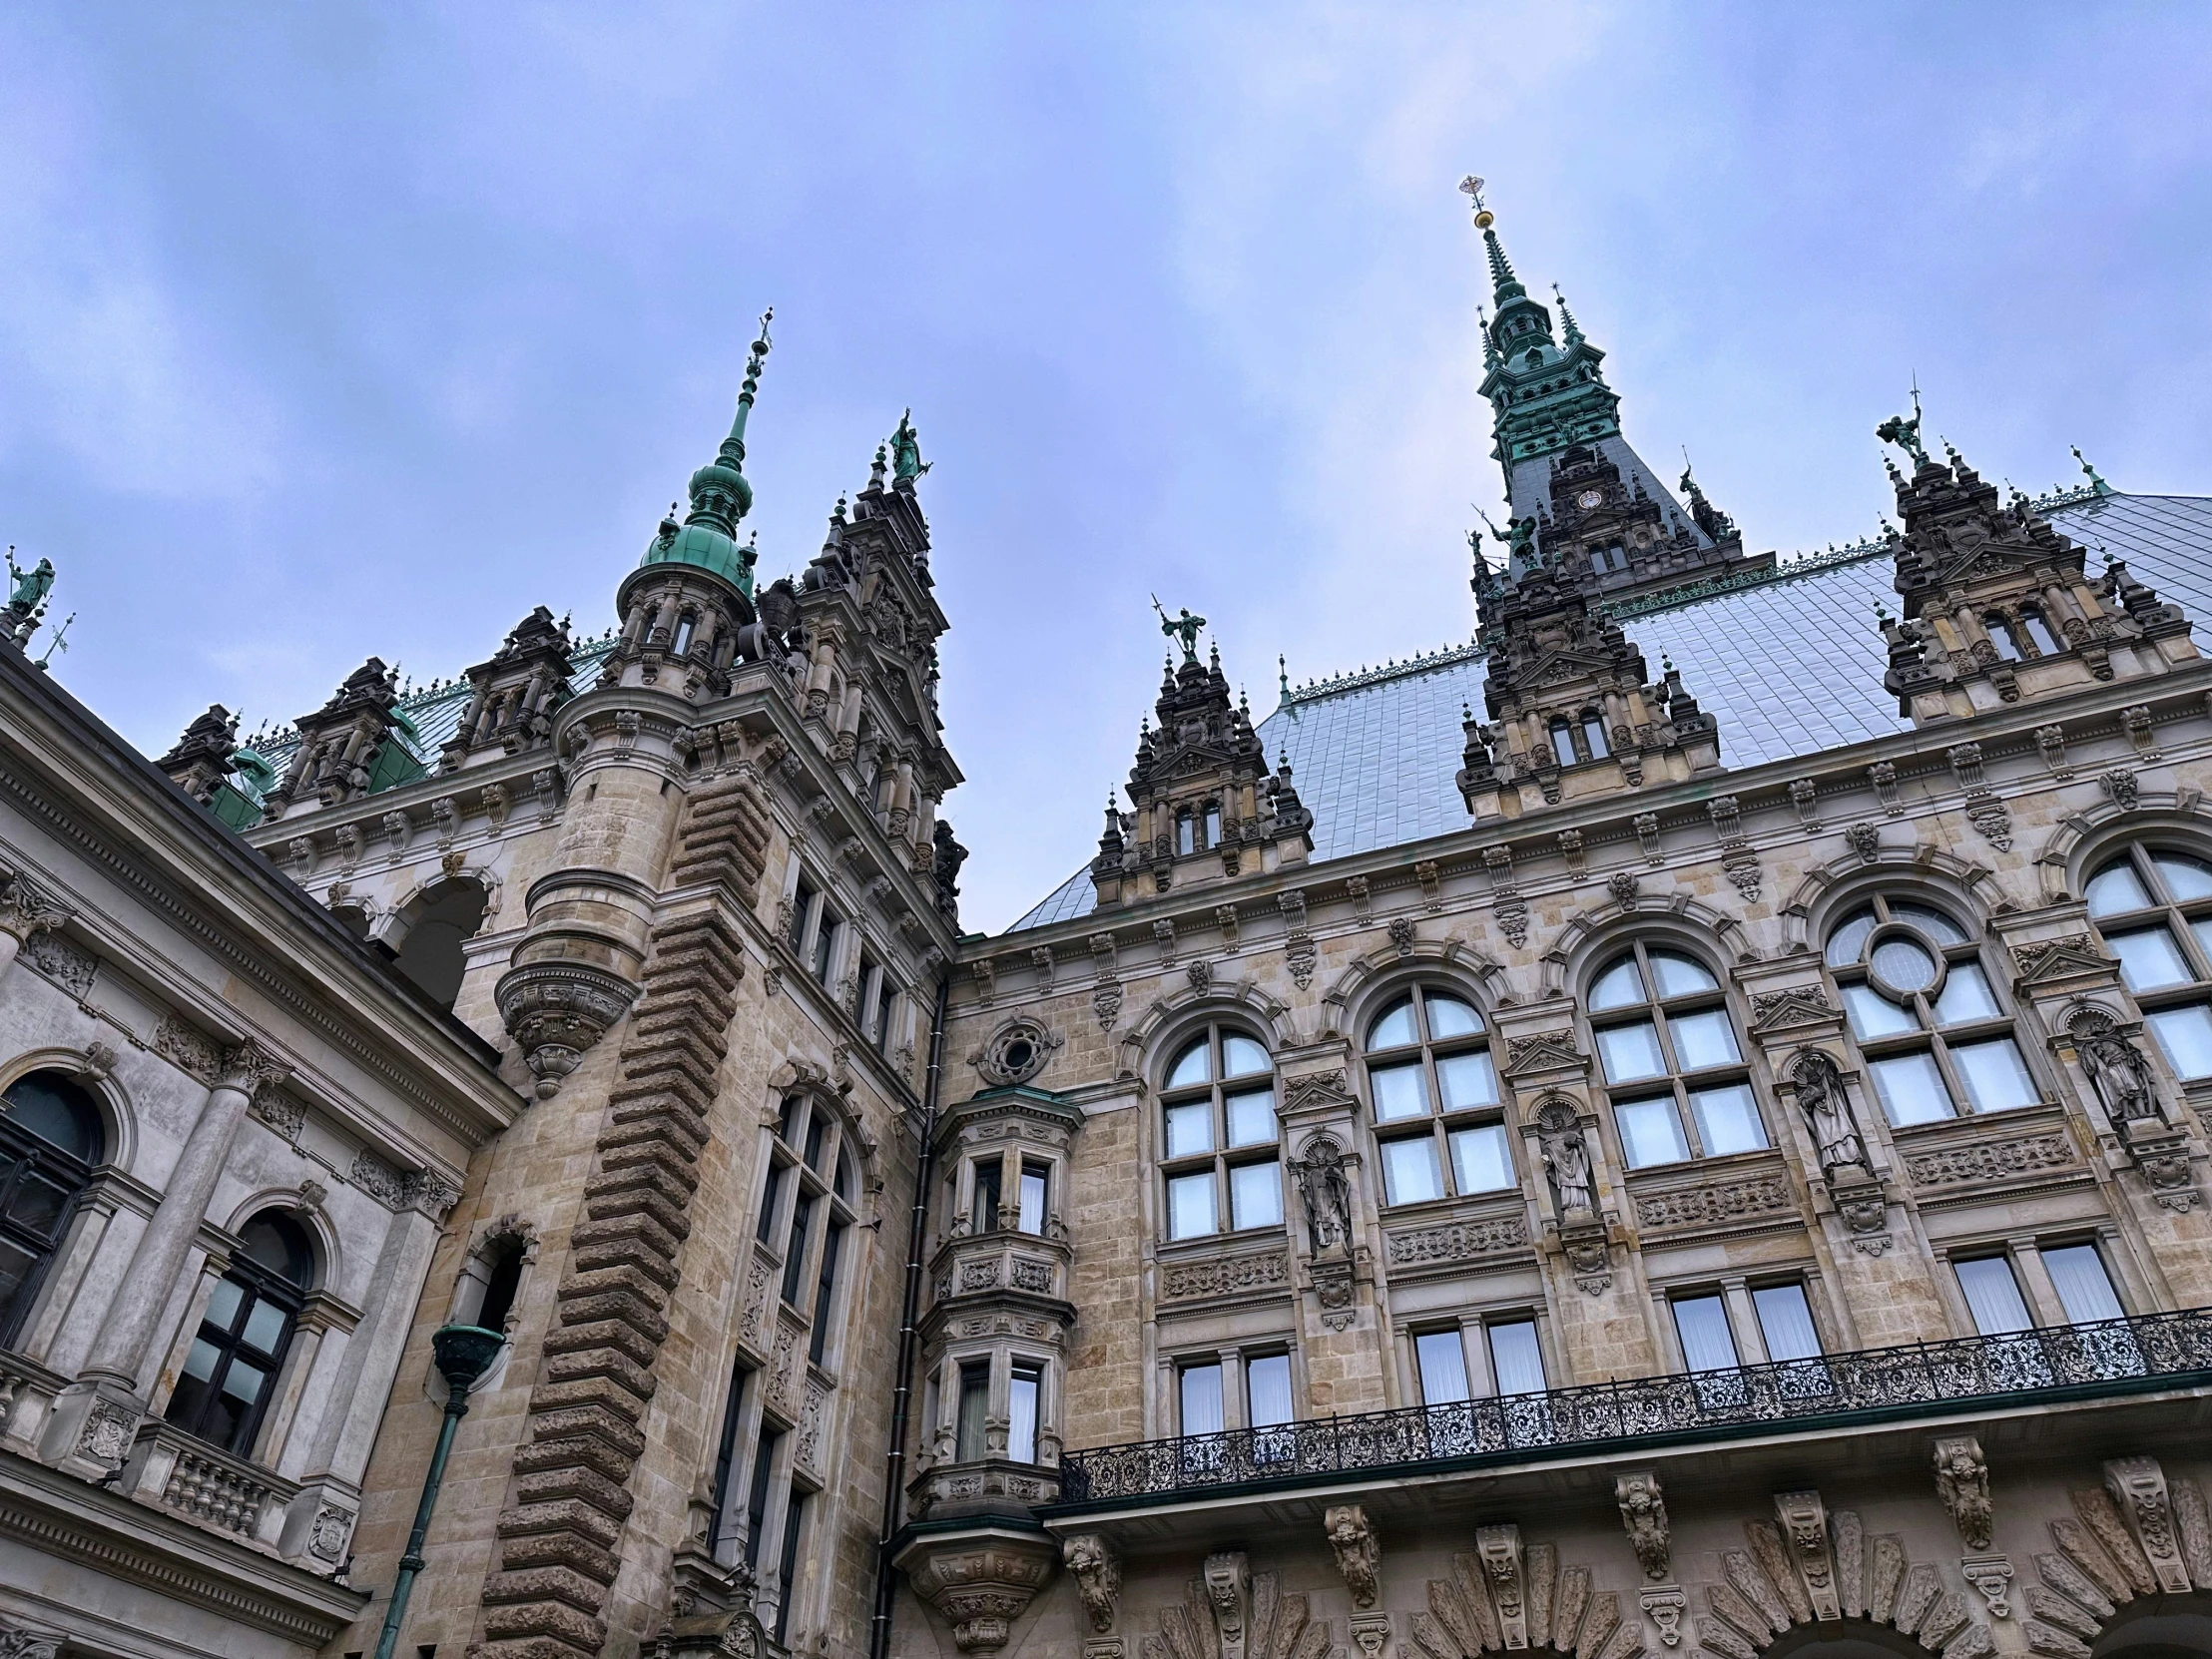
{"points": [[340, 743]]}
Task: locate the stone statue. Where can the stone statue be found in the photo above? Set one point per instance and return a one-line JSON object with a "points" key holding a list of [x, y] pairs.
{"points": [[1327, 1193], [1905, 434], [1963, 1482], [1184, 628], [1827, 1109], [26, 594], [1097, 1576], [2120, 1074], [946, 857], [1359, 1554], [906, 461], [1566, 1160]]}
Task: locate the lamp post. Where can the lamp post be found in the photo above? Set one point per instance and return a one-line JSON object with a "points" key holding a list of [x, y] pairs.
{"points": [[463, 1353]]}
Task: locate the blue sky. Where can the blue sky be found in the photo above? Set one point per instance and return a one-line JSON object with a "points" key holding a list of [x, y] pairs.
{"points": [[344, 328]]}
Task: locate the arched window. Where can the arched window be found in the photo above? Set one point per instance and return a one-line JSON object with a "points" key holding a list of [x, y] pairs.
{"points": [[50, 1139], [1562, 743], [1674, 1071], [1925, 1013], [2038, 632], [231, 1373], [1186, 834], [687, 625], [1217, 1153], [1593, 734], [2000, 628], [2153, 908], [432, 954], [1435, 1099]]}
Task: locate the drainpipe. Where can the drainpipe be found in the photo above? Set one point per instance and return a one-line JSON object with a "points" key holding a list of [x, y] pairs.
{"points": [[463, 1353], [910, 1339]]}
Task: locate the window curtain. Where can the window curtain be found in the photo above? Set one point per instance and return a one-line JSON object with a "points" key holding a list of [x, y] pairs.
{"points": [[1993, 1297], [1515, 1358], [2083, 1288], [1201, 1389], [1706, 1343], [1268, 1388], [1786, 1322]]}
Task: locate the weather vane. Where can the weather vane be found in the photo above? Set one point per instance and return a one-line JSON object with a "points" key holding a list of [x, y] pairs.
{"points": [[1471, 188]]}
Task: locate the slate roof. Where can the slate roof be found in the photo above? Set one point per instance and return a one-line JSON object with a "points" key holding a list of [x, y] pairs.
{"points": [[1790, 663]]}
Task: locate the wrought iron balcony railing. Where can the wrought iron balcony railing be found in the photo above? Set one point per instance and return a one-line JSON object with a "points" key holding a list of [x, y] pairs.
{"points": [[2114, 1357]]}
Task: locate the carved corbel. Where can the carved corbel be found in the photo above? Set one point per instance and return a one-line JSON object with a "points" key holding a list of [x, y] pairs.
{"points": [[1229, 1592], [1359, 1551], [979, 1585], [1644, 1517], [1804, 1521], [1097, 1572], [2138, 1487], [1963, 1482], [1500, 1550]]}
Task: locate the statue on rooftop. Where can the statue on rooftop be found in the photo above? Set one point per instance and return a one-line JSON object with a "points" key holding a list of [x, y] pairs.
{"points": [[906, 461], [27, 588], [1905, 434], [1184, 628]]}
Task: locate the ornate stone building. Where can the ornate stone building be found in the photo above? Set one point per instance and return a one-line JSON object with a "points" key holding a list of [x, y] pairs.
{"points": [[1676, 1126]]}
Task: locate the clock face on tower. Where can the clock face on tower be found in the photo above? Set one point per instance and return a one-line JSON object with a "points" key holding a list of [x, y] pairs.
{"points": [[1590, 498]]}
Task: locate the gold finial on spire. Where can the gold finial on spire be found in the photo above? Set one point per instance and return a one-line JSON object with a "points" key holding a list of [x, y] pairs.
{"points": [[1471, 186]]}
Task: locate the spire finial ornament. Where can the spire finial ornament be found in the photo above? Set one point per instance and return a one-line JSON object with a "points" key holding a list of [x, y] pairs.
{"points": [[1571, 330], [1471, 188], [2095, 482]]}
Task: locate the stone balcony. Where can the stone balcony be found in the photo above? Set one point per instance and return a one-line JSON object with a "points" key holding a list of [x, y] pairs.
{"points": [[1004, 1260], [206, 1486]]}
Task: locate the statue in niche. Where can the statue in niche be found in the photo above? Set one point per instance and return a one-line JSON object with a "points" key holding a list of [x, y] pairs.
{"points": [[1327, 1193], [1566, 1158], [2116, 1069], [1827, 1109]]}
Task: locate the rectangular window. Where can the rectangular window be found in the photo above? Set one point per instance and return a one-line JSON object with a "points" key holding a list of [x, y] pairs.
{"points": [[983, 1209], [1213, 826], [1021, 1412], [1993, 1296], [2149, 961], [824, 1283], [1650, 1131], [2185, 1034], [1190, 1129], [771, 1196], [1911, 1089], [795, 1526], [756, 1501], [1515, 1360], [1251, 1117], [1256, 1194], [802, 904], [1268, 1390], [1467, 1080], [726, 1455], [1036, 1192], [975, 1405], [1875, 1015], [886, 1003], [1631, 1052], [1707, 1342], [1705, 1039], [795, 1248], [825, 945], [1186, 835], [1409, 1171], [1200, 1390], [1399, 1092], [2084, 1289], [1995, 1075], [1191, 1205], [1965, 996], [1443, 1367], [1480, 1162], [1786, 1322], [1728, 1120]]}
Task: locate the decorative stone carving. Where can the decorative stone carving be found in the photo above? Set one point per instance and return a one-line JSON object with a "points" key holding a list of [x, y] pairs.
{"points": [[188, 1050], [1402, 934], [2138, 1487], [2120, 786], [1992, 1577], [1963, 1482], [1567, 1156], [21, 1642], [1359, 1551], [980, 1586], [1800, 1006], [557, 1010], [100, 1060], [1589, 1258], [1225, 918], [1646, 826], [1883, 775], [1623, 885], [1326, 1192], [1163, 939], [1432, 884], [1458, 1241], [1200, 974], [1097, 1572], [1864, 840], [70, 970], [26, 908], [1106, 992], [1499, 1548], [1299, 954], [1804, 1520], [1643, 1507], [106, 1435], [1715, 1205], [1989, 1160], [1362, 893], [1223, 1276], [1015, 1052], [2118, 1070], [1821, 1096], [1228, 1581], [1865, 1208], [1664, 1605]]}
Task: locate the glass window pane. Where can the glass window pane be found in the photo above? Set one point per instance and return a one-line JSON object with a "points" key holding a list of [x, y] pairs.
{"points": [[2186, 1036], [974, 1419], [1268, 1390], [1619, 986], [1993, 1296], [1394, 1029], [1966, 996], [1256, 1194], [1448, 1017], [1630, 1052], [1650, 1132], [1190, 1205], [1399, 1092], [200, 1362], [1022, 1416], [1680, 975], [1706, 1343], [1515, 1360], [1850, 938], [224, 1303], [2185, 877], [1904, 963], [1728, 1120], [1705, 1039], [1995, 1075], [243, 1383], [2084, 1289], [265, 1326], [1201, 1390], [2149, 960], [2117, 888], [1786, 1322], [1193, 1065], [55, 1110], [1875, 1015], [1251, 1117], [1242, 1057], [37, 1205], [2201, 926], [1934, 924], [1911, 1089], [1480, 1162], [1443, 1367], [1190, 1128], [1035, 1183], [1409, 1171], [1467, 1080]]}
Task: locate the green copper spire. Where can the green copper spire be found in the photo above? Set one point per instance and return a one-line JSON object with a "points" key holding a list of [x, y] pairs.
{"points": [[719, 494], [1572, 332]]}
